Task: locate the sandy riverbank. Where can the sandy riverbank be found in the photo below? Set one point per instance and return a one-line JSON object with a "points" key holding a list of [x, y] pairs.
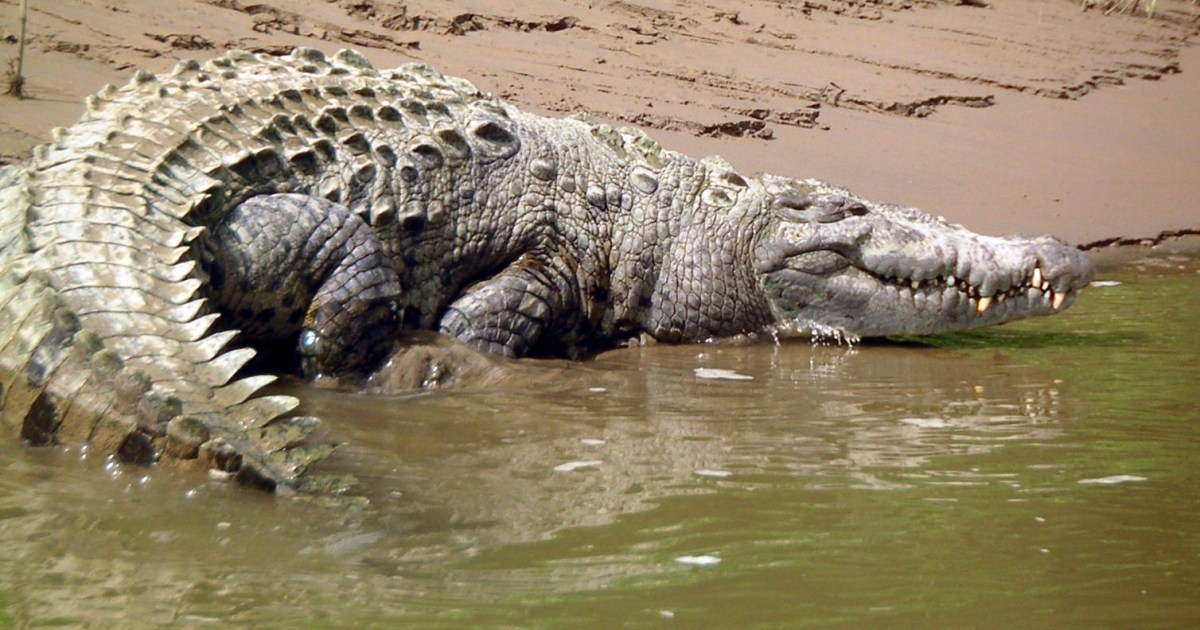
{"points": [[1030, 115]]}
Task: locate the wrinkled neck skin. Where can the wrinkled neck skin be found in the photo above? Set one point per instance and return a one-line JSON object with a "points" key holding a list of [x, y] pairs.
{"points": [[831, 262], [683, 267]]}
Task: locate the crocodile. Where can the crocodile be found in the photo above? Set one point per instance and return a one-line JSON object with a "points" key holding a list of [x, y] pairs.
{"points": [[199, 232]]}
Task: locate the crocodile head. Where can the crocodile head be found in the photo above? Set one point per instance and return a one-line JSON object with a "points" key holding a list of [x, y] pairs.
{"points": [[829, 261]]}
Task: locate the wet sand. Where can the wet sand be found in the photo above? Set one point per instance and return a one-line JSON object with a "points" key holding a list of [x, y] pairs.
{"points": [[1027, 116]]}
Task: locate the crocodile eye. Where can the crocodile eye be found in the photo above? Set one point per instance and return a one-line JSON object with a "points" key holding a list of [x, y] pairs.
{"points": [[792, 201], [814, 209]]}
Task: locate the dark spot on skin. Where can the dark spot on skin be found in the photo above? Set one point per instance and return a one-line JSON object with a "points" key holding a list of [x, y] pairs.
{"points": [[428, 154], [137, 448], [266, 315], [357, 143], [413, 221], [270, 164], [205, 209], [458, 146], [386, 155], [283, 123], [216, 278], [494, 133], [305, 162], [66, 323], [295, 316], [271, 135], [245, 168], [35, 372], [288, 301], [326, 149], [250, 475], [41, 422], [439, 108], [410, 316], [327, 124], [416, 108], [389, 113], [302, 124]]}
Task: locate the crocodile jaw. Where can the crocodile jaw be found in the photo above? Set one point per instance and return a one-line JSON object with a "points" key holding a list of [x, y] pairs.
{"points": [[834, 262]]}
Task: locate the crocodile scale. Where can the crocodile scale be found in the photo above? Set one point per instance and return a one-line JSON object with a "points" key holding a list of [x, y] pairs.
{"points": [[193, 220]]}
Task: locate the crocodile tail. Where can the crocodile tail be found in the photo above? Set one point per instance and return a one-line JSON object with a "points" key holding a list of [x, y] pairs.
{"points": [[105, 339]]}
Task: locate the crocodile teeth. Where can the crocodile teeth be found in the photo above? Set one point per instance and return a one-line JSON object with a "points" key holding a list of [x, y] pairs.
{"points": [[1036, 279], [1057, 299], [984, 303]]}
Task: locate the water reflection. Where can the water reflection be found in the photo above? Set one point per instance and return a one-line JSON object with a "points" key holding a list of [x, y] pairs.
{"points": [[566, 445], [914, 486], [461, 473]]}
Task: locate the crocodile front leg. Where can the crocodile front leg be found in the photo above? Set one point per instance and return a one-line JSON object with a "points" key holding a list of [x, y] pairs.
{"points": [[291, 266], [509, 313]]}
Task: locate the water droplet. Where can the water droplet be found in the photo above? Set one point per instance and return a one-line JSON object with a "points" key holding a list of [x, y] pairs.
{"points": [[578, 465], [699, 561], [717, 374]]}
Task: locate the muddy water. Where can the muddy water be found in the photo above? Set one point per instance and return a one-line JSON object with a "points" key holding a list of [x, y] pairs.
{"points": [[1045, 473]]}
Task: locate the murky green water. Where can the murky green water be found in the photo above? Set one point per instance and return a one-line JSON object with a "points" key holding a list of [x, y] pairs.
{"points": [[1045, 474]]}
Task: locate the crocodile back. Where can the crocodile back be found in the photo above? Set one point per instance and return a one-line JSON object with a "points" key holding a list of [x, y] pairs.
{"points": [[106, 337]]}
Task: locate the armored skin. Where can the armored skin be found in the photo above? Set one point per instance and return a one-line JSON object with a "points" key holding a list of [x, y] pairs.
{"points": [[308, 208]]}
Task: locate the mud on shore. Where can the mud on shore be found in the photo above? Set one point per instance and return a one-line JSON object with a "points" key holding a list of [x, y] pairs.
{"points": [[1024, 115]]}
